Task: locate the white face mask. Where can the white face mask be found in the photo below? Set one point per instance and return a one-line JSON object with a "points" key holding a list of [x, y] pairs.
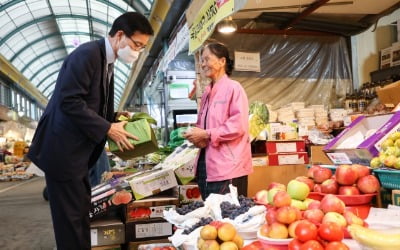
{"points": [[127, 54]]}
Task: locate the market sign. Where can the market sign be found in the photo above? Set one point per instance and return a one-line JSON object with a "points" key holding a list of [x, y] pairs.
{"points": [[247, 61], [210, 14]]}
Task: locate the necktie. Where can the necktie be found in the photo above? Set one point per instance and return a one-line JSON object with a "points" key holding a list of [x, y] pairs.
{"points": [[110, 69]]}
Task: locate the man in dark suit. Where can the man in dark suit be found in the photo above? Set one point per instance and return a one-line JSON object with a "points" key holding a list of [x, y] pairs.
{"points": [[72, 131]]}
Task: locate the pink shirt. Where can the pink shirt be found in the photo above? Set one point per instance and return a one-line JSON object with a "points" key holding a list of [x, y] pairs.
{"points": [[228, 154]]}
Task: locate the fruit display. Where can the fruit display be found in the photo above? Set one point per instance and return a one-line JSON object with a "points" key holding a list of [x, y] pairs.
{"points": [[374, 239], [219, 235], [202, 222], [389, 155], [231, 211], [185, 209]]}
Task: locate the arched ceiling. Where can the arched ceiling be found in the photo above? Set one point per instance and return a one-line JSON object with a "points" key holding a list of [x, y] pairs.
{"points": [[36, 35]]}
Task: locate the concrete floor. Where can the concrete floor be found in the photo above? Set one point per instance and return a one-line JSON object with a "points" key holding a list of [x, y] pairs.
{"points": [[25, 220]]}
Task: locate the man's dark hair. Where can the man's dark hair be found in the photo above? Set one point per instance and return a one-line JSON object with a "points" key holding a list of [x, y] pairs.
{"points": [[130, 22]]}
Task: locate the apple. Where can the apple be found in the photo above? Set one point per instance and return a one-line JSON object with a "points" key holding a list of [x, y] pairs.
{"points": [[348, 190], [286, 215], [314, 204], [281, 199], [387, 143], [394, 136], [264, 229], [346, 175], [331, 203], [329, 187], [389, 161], [271, 194], [262, 196], [368, 184], [306, 180], [310, 172], [298, 190], [314, 215], [270, 217], [375, 162], [278, 231], [334, 217], [397, 162], [361, 170], [317, 188], [276, 185], [322, 174], [292, 228], [351, 218], [307, 202], [298, 204]]}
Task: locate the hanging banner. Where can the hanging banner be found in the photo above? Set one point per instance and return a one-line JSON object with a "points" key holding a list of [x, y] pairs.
{"points": [[210, 14]]}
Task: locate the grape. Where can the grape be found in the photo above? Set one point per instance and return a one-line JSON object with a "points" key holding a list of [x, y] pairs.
{"points": [[231, 211], [203, 221], [189, 207]]}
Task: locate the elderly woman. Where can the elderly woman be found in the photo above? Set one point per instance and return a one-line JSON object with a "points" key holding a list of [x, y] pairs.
{"points": [[222, 127]]}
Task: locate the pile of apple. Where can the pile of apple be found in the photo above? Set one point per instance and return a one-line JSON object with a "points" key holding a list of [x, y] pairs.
{"points": [[219, 236], [389, 155], [348, 180]]}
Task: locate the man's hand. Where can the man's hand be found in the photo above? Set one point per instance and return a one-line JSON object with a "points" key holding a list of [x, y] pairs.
{"points": [[124, 113], [199, 137], [118, 134]]}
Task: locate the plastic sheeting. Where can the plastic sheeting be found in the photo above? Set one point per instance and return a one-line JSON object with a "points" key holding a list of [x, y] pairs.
{"points": [[314, 70]]}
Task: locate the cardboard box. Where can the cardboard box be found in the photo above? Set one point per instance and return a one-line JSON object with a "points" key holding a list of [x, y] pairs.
{"points": [[286, 146], [188, 193], [146, 144], [288, 158], [135, 245], [107, 232], [386, 58], [152, 182], [106, 196], [110, 247], [396, 197], [318, 156], [366, 149], [389, 95], [148, 229], [149, 208], [395, 54]]}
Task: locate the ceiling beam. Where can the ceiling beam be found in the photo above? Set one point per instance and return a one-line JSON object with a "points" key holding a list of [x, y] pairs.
{"points": [[285, 32], [310, 9], [41, 55], [45, 67]]}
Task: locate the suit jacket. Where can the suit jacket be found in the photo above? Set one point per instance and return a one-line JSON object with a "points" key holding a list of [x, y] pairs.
{"points": [[72, 130]]}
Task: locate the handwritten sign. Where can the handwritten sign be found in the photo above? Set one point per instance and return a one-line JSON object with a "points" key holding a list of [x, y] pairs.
{"points": [[247, 61], [212, 12]]}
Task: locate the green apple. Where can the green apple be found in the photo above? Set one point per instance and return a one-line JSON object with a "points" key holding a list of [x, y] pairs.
{"points": [[390, 160], [397, 163], [382, 156], [298, 190], [299, 204], [397, 143], [390, 150], [387, 143], [394, 136], [375, 162]]}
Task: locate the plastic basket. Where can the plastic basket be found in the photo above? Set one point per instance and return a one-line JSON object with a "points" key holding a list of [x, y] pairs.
{"points": [[389, 178]]}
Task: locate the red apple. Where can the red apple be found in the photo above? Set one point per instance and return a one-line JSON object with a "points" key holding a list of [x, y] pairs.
{"points": [[276, 185], [262, 196], [361, 170], [346, 175], [322, 174], [368, 184], [314, 204], [314, 215], [317, 188], [329, 187], [336, 218], [351, 218], [286, 215], [331, 203], [310, 172], [306, 180], [264, 230], [270, 217], [348, 190], [281, 199], [292, 228]]}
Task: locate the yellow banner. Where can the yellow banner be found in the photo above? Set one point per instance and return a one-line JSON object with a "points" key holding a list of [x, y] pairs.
{"points": [[210, 14]]}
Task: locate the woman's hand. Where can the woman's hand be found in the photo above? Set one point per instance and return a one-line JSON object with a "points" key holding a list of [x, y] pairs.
{"points": [[199, 137]]}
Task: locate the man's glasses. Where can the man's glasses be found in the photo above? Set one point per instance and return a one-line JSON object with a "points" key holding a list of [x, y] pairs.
{"points": [[138, 45]]}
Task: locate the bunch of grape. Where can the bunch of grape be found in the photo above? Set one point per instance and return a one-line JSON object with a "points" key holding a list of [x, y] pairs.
{"points": [[189, 207], [231, 211], [203, 221]]}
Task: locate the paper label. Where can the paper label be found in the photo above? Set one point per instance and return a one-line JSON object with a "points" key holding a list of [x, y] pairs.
{"points": [[247, 61], [339, 158], [93, 237], [286, 147], [290, 159], [153, 230], [259, 162]]}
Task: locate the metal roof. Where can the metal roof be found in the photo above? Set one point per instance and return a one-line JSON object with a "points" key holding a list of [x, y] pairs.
{"points": [[36, 35]]}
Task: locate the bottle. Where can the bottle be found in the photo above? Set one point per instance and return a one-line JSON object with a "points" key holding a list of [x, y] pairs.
{"points": [[347, 102], [354, 102], [361, 102]]}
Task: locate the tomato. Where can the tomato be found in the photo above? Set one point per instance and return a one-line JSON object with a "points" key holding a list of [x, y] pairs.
{"points": [[311, 245], [336, 245], [306, 231], [189, 194], [295, 244], [331, 231], [195, 192]]}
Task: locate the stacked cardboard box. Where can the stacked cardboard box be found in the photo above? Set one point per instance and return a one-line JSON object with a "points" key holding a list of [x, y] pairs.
{"points": [[286, 152]]}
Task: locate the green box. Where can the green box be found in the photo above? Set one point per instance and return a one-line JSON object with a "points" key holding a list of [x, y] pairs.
{"points": [[146, 144]]}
